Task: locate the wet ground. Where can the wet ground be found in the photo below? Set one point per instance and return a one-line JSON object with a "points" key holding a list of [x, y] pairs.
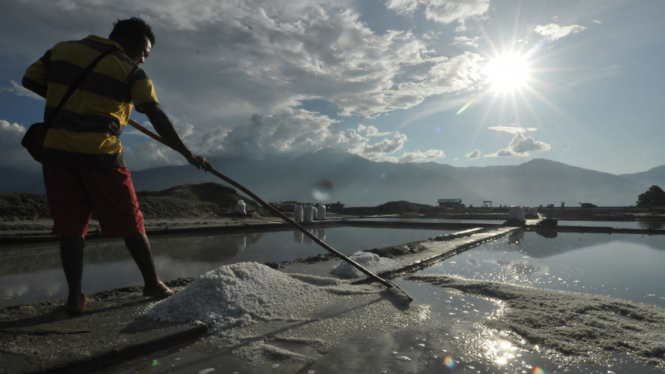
{"points": [[442, 330]]}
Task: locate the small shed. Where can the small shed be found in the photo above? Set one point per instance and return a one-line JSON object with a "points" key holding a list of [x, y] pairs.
{"points": [[449, 203]]}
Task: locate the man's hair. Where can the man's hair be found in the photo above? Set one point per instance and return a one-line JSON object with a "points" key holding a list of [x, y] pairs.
{"points": [[133, 26]]}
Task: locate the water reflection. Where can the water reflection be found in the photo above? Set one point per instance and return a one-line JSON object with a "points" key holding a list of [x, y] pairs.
{"points": [[516, 237], [549, 234], [651, 225], [32, 272], [620, 265]]}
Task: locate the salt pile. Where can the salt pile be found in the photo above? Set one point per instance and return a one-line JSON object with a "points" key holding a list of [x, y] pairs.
{"points": [[239, 294], [369, 261], [570, 323]]}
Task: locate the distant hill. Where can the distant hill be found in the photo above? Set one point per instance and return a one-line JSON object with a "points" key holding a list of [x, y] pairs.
{"points": [[544, 182], [16, 180], [337, 176], [655, 176], [348, 178]]}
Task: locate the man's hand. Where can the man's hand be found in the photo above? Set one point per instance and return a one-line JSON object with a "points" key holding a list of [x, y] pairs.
{"points": [[199, 161]]}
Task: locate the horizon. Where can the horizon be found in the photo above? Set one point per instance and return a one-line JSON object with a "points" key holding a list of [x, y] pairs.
{"points": [[466, 84], [433, 161]]}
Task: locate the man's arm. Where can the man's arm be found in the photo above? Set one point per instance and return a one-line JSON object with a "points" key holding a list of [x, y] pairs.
{"points": [[165, 128], [34, 87]]}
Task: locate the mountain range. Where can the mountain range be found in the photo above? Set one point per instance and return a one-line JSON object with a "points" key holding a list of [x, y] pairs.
{"points": [[331, 176]]}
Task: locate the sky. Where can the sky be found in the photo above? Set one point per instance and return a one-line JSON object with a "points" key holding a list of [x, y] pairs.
{"points": [[461, 82]]}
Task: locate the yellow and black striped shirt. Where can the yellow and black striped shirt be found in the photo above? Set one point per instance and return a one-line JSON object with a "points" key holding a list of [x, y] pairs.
{"points": [[85, 132]]}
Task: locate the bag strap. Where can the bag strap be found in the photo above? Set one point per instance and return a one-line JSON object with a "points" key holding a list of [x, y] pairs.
{"points": [[77, 83]]}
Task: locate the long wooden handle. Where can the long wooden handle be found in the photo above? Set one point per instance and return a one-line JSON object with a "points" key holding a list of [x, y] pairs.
{"points": [[278, 213]]}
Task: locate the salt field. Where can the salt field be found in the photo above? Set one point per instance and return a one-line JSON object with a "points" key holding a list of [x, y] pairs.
{"points": [[32, 272], [526, 302], [523, 303]]}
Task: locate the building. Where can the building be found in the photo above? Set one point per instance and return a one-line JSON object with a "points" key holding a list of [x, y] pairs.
{"points": [[449, 203]]}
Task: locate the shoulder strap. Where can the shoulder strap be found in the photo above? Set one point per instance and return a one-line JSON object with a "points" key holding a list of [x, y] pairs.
{"points": [[78, 82]]}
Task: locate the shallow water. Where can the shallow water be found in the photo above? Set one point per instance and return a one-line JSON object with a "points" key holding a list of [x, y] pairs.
{"points": [[32, 272], [620, 265], [640, 225]]}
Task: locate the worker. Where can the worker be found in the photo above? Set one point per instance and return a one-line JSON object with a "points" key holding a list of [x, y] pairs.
{"points": [[83, 161]]}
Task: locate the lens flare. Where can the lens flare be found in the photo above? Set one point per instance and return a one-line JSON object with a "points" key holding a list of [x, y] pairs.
{"points": [[464, 107], [539, 371], [448, 361]]}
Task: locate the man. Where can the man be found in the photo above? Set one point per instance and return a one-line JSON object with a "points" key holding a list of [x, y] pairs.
{"points": [[83, 162]]}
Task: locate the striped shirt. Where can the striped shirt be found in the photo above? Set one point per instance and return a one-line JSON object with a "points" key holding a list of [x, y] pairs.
{"points": [[85, 132]]}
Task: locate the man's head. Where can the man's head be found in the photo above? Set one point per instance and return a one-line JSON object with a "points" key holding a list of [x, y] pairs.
{"points": [[135, 36]]}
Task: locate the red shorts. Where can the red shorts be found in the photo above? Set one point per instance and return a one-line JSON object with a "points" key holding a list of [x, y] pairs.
{"points": [[73, 193]]}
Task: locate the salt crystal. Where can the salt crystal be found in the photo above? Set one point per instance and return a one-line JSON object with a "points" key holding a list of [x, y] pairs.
{"points": [[369, 261], [403, 358]]}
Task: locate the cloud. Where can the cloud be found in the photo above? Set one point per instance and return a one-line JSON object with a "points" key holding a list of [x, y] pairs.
{"points": [[385, 147], [216, 64], [473, 155], [19, 90], [416, 156], [371, 131], [465, 40], [554, 31], [13, 153], [150, 155], [295, 131], [520, 146], [444, 11], [512, 129]]}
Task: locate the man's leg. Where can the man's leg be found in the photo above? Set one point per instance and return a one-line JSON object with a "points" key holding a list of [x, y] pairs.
{"points": [[72, 254], [139, 246]]}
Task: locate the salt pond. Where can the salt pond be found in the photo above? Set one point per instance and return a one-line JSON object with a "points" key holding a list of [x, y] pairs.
{"points": [[32, 272], [620, 265]]}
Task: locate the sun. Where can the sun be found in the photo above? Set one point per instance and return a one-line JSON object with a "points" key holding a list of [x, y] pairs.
{"points": [[507, 73]]}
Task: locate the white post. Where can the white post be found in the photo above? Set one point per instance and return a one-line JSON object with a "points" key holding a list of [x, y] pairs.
{"points": [[240, 207], [307, 212], [297, 213]]}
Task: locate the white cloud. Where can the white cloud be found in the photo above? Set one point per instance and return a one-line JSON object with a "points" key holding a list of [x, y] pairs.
{"points": [[554, 31], [473, 155], [520, 146], [371, 131], [416, 156], [19, 90], [444, 11], [465, 40], [512, 129], [377, 151], [217, 64], [13, 153], [151, 154]]}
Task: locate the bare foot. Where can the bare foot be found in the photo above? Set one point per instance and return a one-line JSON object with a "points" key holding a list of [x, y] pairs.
{"points": [[76, 304], [160, 291]]}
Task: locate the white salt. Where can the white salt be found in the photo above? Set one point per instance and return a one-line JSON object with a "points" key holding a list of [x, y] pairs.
{"points": [[369, 261], [242, 293], [570, 323]]}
